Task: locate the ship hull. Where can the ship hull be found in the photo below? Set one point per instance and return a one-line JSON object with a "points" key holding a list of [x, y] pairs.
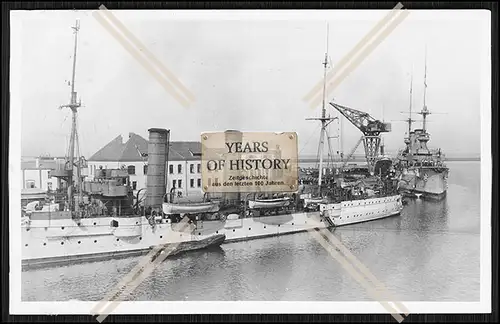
{"points": [[358, 211], [424, 195], [62, 240], [426, 183], [176, 249]]}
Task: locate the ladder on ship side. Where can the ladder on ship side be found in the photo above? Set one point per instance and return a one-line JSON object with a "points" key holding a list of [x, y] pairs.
{"points": [[328, 221]]}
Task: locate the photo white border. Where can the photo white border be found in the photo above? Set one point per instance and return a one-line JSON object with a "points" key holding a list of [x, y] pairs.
{"points": [[18, 307]]}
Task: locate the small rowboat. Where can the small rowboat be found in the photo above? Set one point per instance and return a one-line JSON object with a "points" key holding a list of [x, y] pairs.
{"points": [[190, 208], [187, 246], [268, 203]]}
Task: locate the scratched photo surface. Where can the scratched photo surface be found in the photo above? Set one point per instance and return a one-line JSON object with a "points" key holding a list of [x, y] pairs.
{"points": [[384, 176]]}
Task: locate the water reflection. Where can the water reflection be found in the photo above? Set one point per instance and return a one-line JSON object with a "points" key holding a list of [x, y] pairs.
{"points": [[429, 216], [174, 277]]}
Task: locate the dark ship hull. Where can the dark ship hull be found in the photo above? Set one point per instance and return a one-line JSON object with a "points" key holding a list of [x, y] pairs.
{"points": [[428, 183]]}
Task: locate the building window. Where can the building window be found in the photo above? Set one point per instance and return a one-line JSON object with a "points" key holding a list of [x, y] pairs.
{"points": [[199, 183], [199, 167], [145, 169], [170, 169], [179, 168], [174, 184], [191, 183], [191, 168], [30, 184], [180, 184], [131, 169], [134, 185]]}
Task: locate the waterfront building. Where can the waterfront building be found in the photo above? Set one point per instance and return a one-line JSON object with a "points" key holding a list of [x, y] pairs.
{"points": [[183, 169], [36, 172]]}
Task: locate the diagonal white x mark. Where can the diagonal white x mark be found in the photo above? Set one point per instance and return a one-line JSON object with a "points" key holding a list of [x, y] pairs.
{"points": [[346, 65], [143, 56], [360, 52]]}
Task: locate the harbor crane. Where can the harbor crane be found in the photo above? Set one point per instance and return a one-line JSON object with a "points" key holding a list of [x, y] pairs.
{"points": [[371, 129]]}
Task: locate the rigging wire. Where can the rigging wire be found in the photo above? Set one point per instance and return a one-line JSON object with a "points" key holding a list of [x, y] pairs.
{"points": [[309, 139], [330, 151], [77, 141]]}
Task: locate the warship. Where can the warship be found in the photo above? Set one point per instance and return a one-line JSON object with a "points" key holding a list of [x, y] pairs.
{"points": [[358, 193], [422, 171], [351, 193], [99, 218]]}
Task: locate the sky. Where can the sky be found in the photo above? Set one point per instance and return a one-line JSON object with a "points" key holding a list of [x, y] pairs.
{"points": [[247, 72]]}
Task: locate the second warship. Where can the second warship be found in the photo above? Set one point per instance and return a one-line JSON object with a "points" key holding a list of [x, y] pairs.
{"points": [[422, 171]]}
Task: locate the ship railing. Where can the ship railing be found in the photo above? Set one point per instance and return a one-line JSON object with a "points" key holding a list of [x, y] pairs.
{"points": [[106, 188], [87, 207]]}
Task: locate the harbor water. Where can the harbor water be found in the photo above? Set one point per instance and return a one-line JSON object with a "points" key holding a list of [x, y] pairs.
{"points": [[428, 253]]}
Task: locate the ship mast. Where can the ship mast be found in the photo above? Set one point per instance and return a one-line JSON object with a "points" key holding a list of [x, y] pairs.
{"points": [[73, 105], [323, 113], [382, 145], [411, 101], [424, 111], [325, 121]]}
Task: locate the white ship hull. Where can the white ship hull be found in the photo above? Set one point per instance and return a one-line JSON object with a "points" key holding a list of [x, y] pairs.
{"points": [[62, 240], [357, 211]]}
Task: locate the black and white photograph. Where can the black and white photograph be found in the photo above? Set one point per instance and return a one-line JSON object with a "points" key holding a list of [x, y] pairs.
{"points": [[250, 161]]}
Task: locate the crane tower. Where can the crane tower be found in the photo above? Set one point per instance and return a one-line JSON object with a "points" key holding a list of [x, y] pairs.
{"points": [[371, 129]]}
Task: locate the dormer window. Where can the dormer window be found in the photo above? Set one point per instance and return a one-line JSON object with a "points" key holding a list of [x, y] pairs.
{"points": [[194, 153]]}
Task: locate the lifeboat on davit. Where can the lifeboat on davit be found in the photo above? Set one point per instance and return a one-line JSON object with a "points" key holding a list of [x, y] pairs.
{"points": [[190, 207], [269, 203]]}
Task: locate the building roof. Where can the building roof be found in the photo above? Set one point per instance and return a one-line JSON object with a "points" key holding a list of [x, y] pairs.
{"points": [[136, 150]]}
